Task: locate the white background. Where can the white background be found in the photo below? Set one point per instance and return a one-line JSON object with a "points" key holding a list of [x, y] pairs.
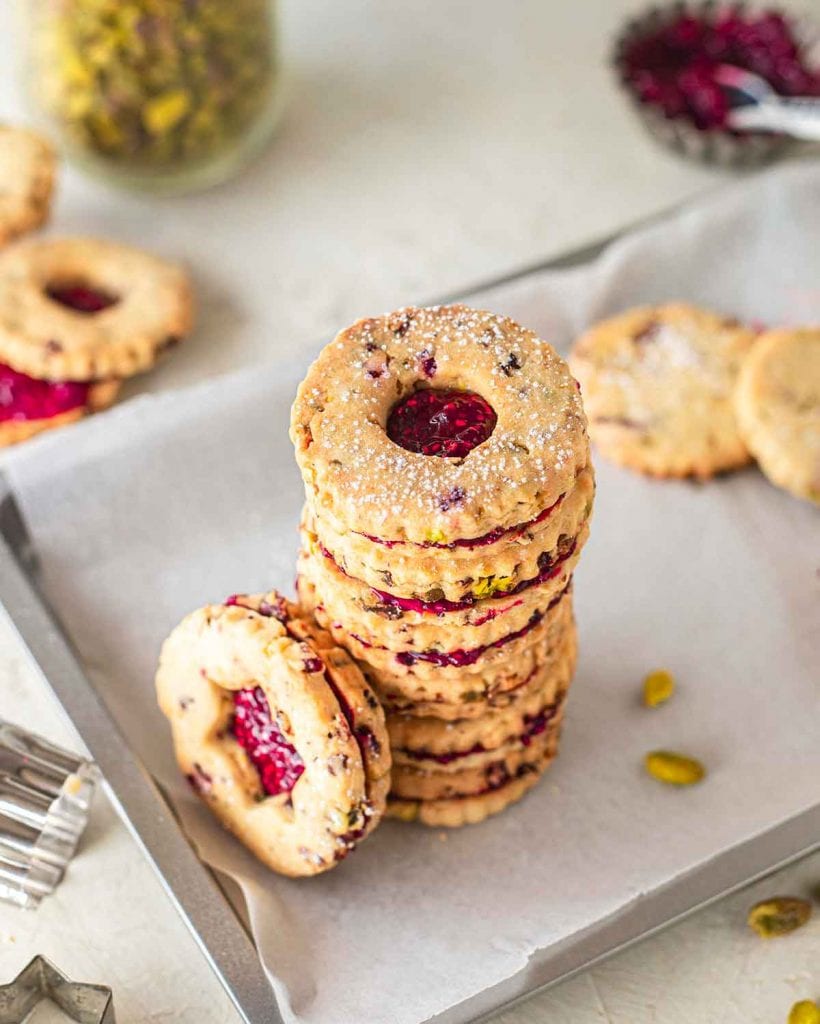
{"points": [[423, 149]]}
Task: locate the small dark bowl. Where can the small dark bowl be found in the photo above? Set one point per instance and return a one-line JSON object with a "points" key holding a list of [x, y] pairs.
{"points": [[714, 146]]}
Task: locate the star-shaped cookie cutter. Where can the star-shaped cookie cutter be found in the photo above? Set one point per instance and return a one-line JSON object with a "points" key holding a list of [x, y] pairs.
{"points": [[40, 980]]}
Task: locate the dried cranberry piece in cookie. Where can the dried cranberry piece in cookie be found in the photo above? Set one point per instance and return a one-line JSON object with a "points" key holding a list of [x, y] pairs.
{"points": [[447, 423]]}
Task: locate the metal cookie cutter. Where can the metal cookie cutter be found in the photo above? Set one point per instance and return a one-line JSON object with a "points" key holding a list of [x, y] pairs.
{"points": [[45, 795], [40, 980]]}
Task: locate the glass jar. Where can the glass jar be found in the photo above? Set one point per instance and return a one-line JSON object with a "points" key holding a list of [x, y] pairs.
{"points": [[166, 95]]}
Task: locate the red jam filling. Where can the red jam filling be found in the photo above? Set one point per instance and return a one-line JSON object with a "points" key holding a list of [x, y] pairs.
{"points": [[277, 761], [673, 68], [26, 398], [462, 656], [362, 734], [466, 656], [80, 297], [534, 725], [473, 542], [446, 423]]}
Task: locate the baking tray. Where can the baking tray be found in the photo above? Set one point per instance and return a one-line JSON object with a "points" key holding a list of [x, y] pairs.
{"points": [[198, 893]]}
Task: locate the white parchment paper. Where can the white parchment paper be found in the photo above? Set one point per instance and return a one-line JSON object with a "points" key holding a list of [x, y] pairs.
{"points": [[148, 511]]}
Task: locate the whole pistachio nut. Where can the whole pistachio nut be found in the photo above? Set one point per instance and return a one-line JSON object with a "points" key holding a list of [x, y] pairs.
{"points": [[674, 769], [778, 916]]}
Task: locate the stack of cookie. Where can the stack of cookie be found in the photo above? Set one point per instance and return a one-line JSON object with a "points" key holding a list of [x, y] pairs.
{"points": [[449, 489]]}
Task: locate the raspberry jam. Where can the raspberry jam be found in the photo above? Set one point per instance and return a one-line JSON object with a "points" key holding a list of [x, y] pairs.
{"points": [[278, 763], [462, 657], [673, 66], [80, 297], [26, 398], [548, 566], [446, 423]]}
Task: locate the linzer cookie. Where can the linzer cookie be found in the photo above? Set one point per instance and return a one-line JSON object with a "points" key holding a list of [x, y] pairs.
{"points": [[778, 409], [449, 492], [276, 730], [480, 772], [658, 384], [76, 317], [405, 624], [447, 422], [27, 170], [467, 569], [501, 789], [83, 309]]}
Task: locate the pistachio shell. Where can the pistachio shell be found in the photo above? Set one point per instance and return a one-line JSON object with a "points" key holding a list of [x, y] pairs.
{"points": [[778, 916], [658, 687], [674, 769]]}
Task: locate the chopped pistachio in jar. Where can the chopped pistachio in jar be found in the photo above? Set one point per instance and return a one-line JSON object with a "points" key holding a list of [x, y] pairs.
{"points": [[154, 82]]}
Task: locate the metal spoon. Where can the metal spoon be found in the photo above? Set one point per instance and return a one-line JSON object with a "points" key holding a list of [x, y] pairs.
{"points": [[758, 108]]}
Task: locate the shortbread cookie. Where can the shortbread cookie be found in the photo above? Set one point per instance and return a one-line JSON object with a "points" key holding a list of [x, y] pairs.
{"points": [[490, 770], [29, 406], [428, 742], [83, 309], [477, 704], [447, 693], [448, 421], [658, 385], [441, 662], [479, 756], [778, 408], [497, 795], [27, 169], [276, 730], [412, 624], [467, 571]]}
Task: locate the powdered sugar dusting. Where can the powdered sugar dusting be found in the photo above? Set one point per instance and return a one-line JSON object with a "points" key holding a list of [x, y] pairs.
{"points": [[536, 447]]}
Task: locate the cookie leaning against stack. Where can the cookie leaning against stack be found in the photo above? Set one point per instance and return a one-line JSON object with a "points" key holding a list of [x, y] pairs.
{"points": [[449, 487], [260, 700]]}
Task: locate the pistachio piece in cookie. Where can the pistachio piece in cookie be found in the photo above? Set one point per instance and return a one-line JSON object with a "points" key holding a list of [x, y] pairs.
{"points": [[778, 408], [27, 170], [82, 309], [276, 730], [658, 386]]}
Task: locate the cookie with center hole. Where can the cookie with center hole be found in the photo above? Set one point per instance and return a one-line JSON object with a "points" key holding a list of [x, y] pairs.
{"points": [[778, 408], [277, 731], [83, 309], [446, 422], [658, 385], [28, 166]]}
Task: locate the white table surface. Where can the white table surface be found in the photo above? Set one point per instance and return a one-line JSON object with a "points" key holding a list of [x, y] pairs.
{"points": [[425, 147]]}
